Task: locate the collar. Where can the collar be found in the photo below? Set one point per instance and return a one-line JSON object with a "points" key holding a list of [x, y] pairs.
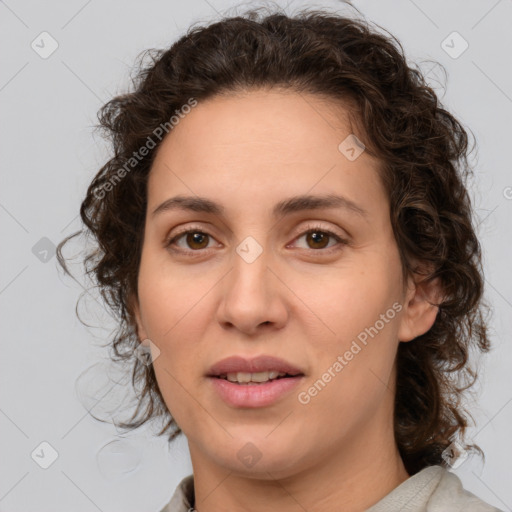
{"points": [[434, 488]]}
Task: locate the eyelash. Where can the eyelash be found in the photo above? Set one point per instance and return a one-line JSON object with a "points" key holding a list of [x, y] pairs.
{"points": [[309, 229]]}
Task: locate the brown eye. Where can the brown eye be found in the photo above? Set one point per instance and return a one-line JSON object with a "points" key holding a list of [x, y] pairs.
{"points": [[195, 240], [195, 237], [319, 239]]}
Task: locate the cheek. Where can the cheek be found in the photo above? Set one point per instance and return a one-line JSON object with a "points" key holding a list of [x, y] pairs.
{"points": [[168, 297], [353, 375], [361, 310], [352, 299], [178, 368], [177, 392]]}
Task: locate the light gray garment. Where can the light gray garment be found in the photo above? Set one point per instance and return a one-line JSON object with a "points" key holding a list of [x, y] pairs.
{"points": [[433, 489]]}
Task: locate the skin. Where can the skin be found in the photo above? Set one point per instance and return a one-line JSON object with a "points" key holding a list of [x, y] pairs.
{"points": [[298, 300]]}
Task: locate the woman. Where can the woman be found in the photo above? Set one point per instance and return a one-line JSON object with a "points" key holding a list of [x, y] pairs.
{"points": [[284, 227]]}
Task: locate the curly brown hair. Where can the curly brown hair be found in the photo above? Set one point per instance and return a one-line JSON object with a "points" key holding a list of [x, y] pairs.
{"points": [[423, 150]]}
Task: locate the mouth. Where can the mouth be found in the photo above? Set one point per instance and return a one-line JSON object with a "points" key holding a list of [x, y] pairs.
{"points": [[257, 382], [255, 379], [239, 391], [258, 369]]}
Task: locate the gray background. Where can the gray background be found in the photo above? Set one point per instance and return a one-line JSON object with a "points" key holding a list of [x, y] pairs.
{"points": [[49, 155]]}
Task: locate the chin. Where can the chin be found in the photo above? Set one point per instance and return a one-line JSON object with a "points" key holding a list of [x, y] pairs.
{"points": [[259, 457]]}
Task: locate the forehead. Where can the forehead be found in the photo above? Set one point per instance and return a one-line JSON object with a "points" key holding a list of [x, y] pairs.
{"points": [[262, 143], [279, 123]]}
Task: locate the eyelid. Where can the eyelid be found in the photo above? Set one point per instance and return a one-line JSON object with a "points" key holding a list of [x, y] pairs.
{"points": [[189, 229], [304, 230], [341, 240], [316, 226]]}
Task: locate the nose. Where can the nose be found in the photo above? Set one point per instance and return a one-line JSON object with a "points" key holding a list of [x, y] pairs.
{"points": [[253, 297]]}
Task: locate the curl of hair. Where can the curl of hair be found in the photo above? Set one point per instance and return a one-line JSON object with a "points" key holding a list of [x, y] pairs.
{"points": [[423, 150]]}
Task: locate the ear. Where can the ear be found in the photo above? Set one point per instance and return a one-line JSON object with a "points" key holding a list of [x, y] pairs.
{"points": [[140, 330], [418, 314]]}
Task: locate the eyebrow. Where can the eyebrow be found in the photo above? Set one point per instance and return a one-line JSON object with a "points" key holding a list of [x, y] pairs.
{"points": [[287, 206]]}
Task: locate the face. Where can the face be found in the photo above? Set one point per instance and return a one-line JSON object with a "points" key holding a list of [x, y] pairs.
{"points": [[247, 282]]}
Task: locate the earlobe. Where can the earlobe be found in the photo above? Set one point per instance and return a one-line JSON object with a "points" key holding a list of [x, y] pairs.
{"points": [[419, 314]]}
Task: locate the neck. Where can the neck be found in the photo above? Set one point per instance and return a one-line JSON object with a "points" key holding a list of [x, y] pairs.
{"points": [[358, 475]]}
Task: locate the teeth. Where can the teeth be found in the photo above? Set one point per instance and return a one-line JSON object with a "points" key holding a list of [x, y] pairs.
{"points": [[244, 377]]}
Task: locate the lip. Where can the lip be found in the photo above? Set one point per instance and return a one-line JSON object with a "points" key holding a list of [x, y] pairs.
{"points": [[261, 363], [254, 395]]}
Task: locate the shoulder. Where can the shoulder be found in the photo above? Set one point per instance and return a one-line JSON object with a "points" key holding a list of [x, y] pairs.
{"points": [[451, 495], [183, 496], [433, 489]]}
